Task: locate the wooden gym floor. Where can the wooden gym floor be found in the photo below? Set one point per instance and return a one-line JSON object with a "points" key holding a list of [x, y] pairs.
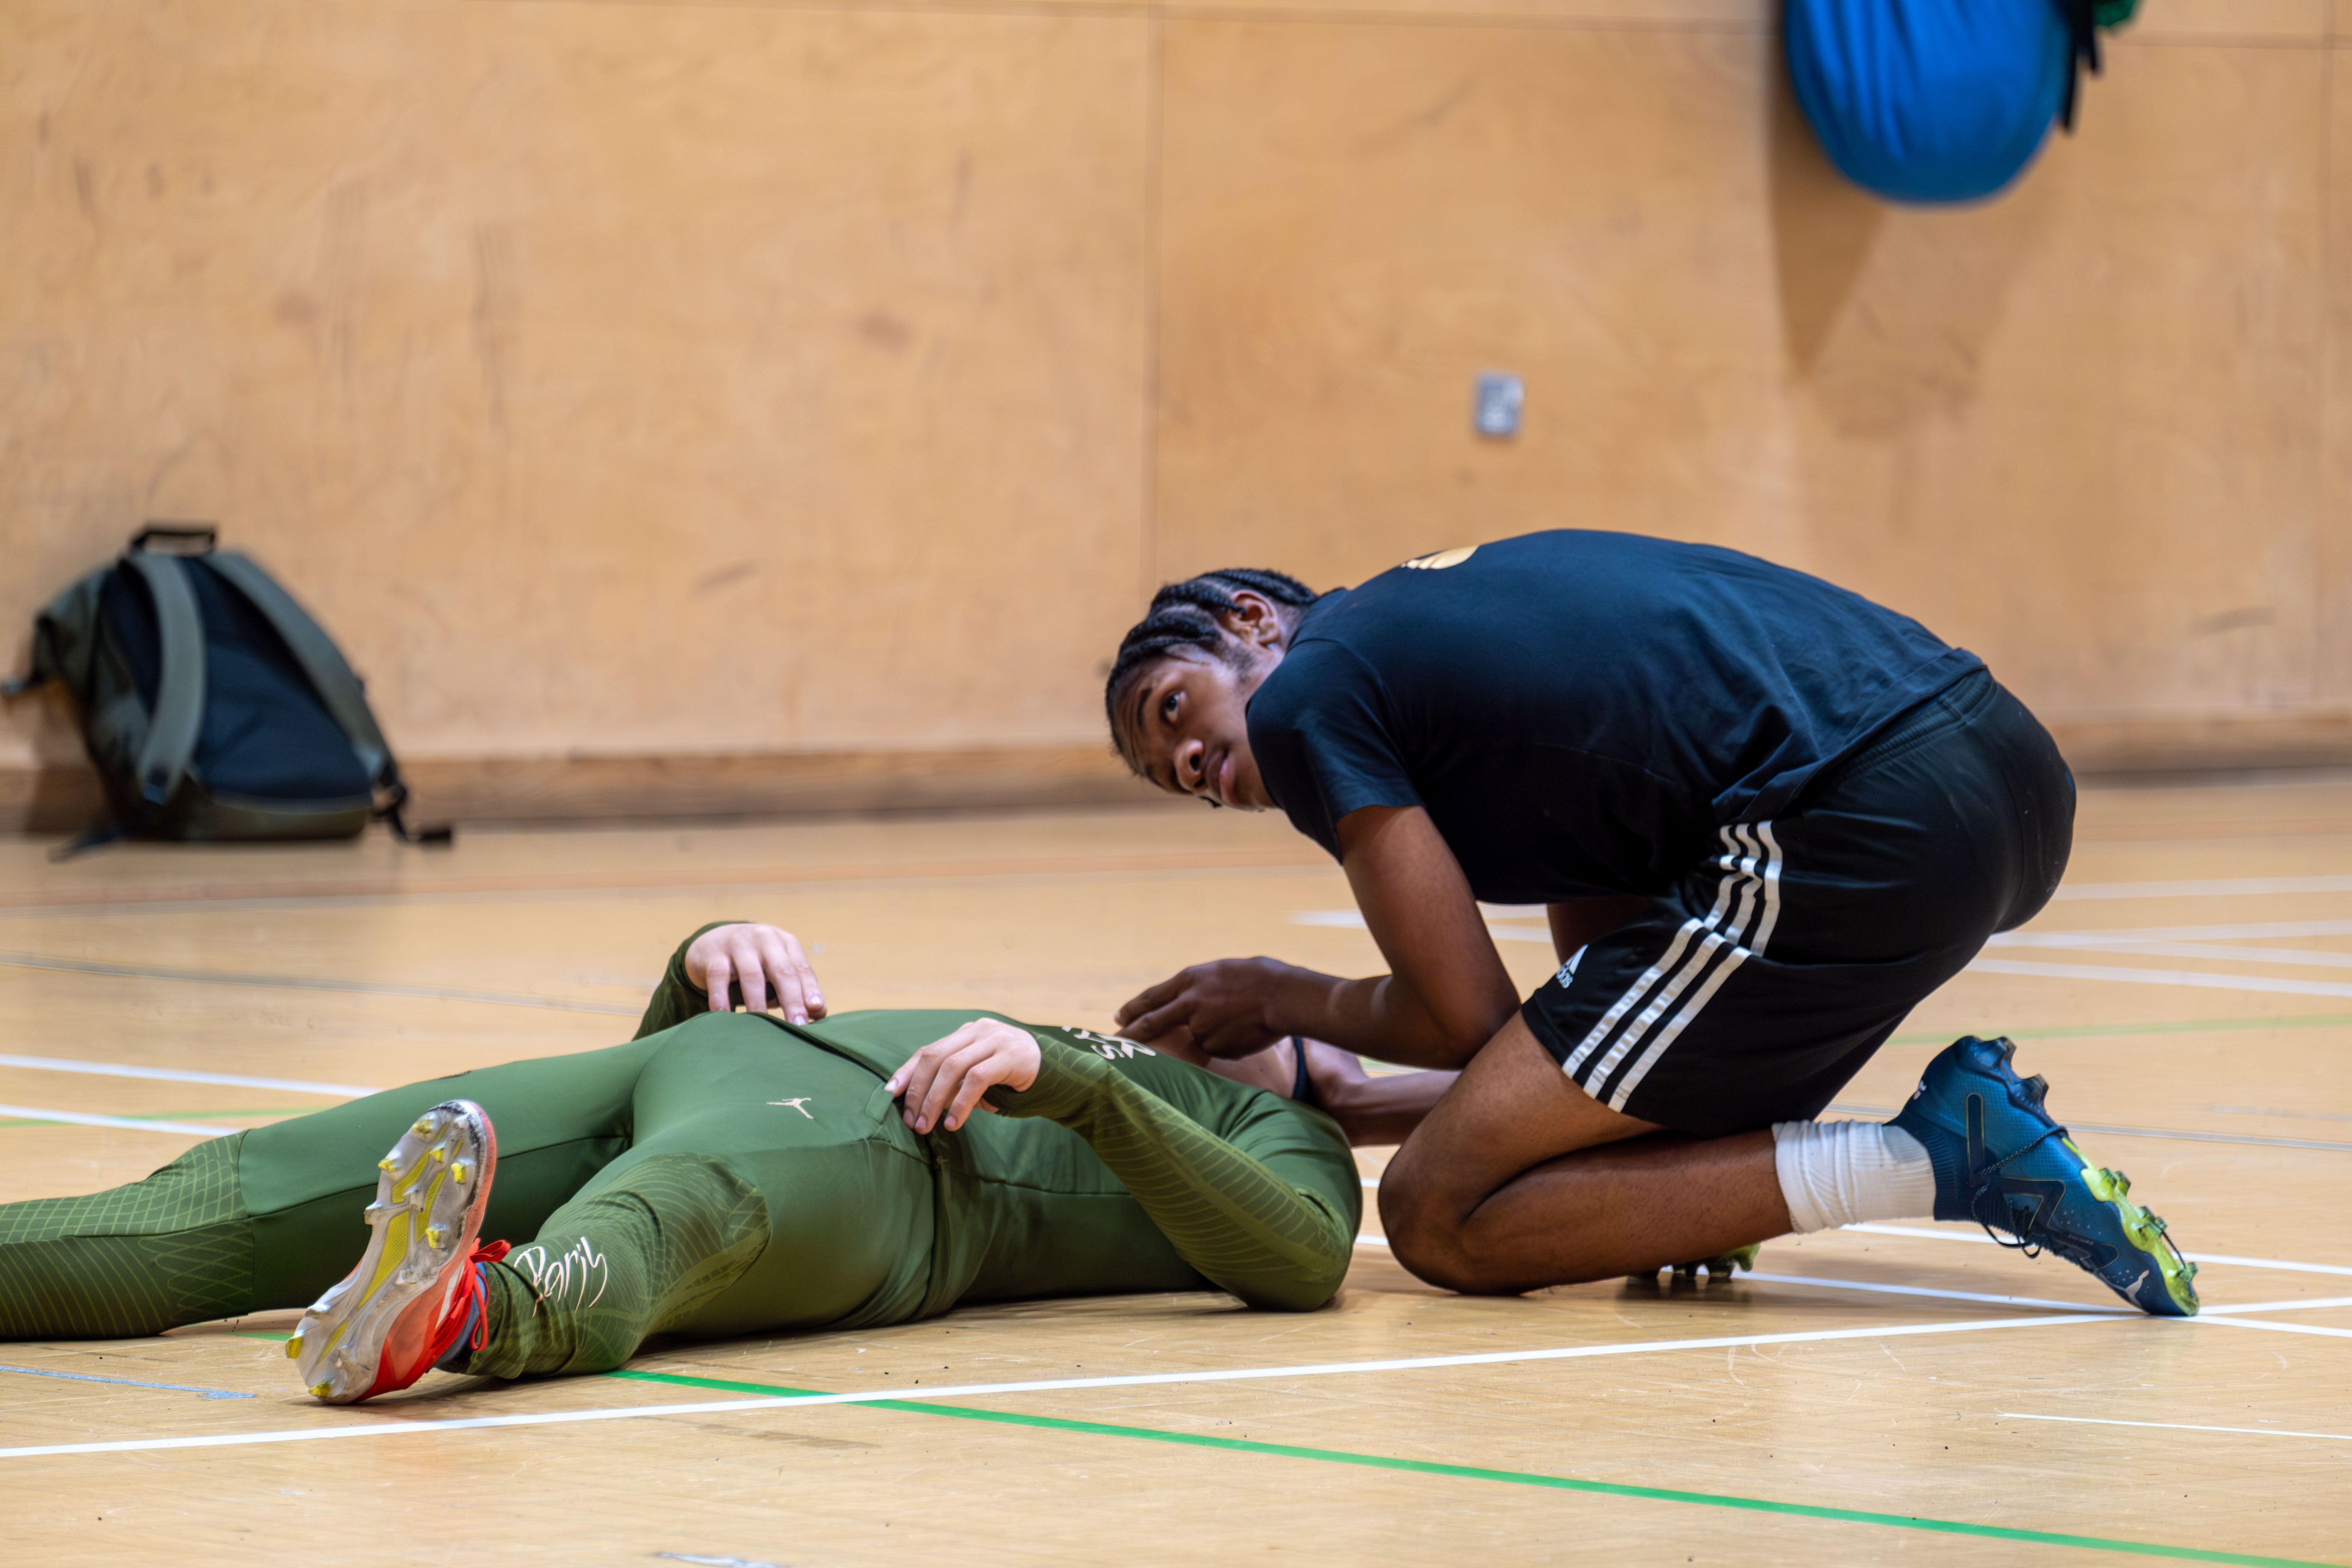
{"points": [[1899, 1391]]}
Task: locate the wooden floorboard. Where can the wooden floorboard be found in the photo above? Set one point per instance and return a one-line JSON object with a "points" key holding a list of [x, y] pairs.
{"points": [[1903, 1392]]}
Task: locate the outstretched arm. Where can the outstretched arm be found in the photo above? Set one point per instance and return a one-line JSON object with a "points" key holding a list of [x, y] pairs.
{"points": [[1275, 1243], [1370, 1111], [1445, 996]]}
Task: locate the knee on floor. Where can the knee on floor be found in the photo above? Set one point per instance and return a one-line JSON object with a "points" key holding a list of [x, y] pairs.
{"points": [[1427, 1231]]}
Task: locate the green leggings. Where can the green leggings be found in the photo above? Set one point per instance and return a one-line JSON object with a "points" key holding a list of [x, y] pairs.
{"points": [[728, 1176]]}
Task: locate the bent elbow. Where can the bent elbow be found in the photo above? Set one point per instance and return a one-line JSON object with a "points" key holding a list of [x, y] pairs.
{"points": [[1458, 1039], [1300, 1296], [1307, 1286], [1456, 1028]]}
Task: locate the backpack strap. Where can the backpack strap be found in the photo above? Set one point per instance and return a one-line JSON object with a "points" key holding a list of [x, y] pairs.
{"points": [[2084, 18], [179, 713], [322, 660], [336, 683]]}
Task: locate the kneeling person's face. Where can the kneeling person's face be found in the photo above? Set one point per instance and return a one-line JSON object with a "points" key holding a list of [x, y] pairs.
{"points": [[1185, 726]]}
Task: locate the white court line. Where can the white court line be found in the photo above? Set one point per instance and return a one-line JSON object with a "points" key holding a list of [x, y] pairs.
{"points": [[132, 1124], [2183, 1134], [1939, 1294], [1353, 919], [301, 983], [1373, 1182], [2283, 1115], [2192, 1257], [2294, 957], [1368, 1239], [958, 1391], [2299, 1304], [2176, 1427], [2282, 1328], [2222, 942], [2209, 979], [2302, 1305], [2170, 934], [180, 1074], [2214, 887]]}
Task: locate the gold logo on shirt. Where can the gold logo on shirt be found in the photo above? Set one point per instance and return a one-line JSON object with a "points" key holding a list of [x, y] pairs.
{"points": [[1442, 558]]}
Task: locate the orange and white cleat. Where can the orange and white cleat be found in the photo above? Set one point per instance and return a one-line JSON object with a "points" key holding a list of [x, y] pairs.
{"points": [[418, 1285]]}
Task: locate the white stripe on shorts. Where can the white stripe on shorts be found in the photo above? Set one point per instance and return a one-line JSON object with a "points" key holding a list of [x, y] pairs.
{"points": [[1650, 977], [1751, 892]]}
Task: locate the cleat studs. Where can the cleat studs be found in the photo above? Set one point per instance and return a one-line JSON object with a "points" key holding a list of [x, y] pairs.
{"points": [[458, 1173], [441, 1153], [294, 1347], [322, 1390], [389, 1162], [433, 1235], [423, 1128]]}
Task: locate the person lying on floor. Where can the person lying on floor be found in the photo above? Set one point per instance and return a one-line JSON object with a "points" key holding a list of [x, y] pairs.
{"points": [[724, 1173]]}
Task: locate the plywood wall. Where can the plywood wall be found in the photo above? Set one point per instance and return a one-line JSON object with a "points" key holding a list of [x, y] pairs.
{"points": [[821, 388]]}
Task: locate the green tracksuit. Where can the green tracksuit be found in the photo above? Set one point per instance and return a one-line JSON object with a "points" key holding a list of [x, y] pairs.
{"points": [[728, 1173]]}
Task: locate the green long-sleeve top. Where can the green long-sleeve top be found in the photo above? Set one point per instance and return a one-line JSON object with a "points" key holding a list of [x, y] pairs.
{"points": [[1120, 1169]]}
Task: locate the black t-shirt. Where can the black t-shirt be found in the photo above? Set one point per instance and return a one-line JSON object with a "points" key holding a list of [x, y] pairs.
{"points": [[1579, 711]]}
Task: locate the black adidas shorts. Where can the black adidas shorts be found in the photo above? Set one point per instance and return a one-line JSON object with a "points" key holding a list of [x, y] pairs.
{"points": [[1759, 985]]}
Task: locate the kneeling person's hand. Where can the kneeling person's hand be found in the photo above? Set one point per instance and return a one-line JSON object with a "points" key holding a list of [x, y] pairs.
{"points": [[941, 1082]]}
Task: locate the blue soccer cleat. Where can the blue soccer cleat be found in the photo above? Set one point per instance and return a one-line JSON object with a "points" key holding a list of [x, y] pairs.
{"points": [[2002, 1162]]}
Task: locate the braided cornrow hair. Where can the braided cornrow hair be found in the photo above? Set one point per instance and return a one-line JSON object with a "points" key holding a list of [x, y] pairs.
{"points": [[1185, 615]]}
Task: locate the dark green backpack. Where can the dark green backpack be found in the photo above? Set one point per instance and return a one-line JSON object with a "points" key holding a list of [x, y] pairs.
{"points": [[212, 704]]}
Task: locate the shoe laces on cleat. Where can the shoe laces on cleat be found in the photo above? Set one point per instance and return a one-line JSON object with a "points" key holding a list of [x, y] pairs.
{"points": [[1990, 1186], [468, 1308]]}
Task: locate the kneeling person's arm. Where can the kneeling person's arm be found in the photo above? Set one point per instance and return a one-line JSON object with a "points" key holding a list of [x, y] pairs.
{"points": [[1270, 1242]]}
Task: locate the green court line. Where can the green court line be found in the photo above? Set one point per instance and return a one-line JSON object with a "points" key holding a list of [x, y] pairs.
{"points": [[1516, 1478], [2167, 1027], [172, 1115]]}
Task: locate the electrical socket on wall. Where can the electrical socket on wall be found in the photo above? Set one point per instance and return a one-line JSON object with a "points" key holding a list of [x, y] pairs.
{"points": [[1496, 412]]}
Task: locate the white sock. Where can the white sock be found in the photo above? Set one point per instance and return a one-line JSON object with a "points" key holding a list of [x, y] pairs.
{"points": [[1837, 1172]]}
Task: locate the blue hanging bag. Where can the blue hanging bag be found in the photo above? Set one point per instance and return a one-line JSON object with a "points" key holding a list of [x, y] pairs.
{"points": [[1941, 100]]}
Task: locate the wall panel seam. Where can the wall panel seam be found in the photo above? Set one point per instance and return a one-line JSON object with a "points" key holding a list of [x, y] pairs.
{"points": [[1310, 15], [1336, 16], [1154, 288], [2126, 41]]}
